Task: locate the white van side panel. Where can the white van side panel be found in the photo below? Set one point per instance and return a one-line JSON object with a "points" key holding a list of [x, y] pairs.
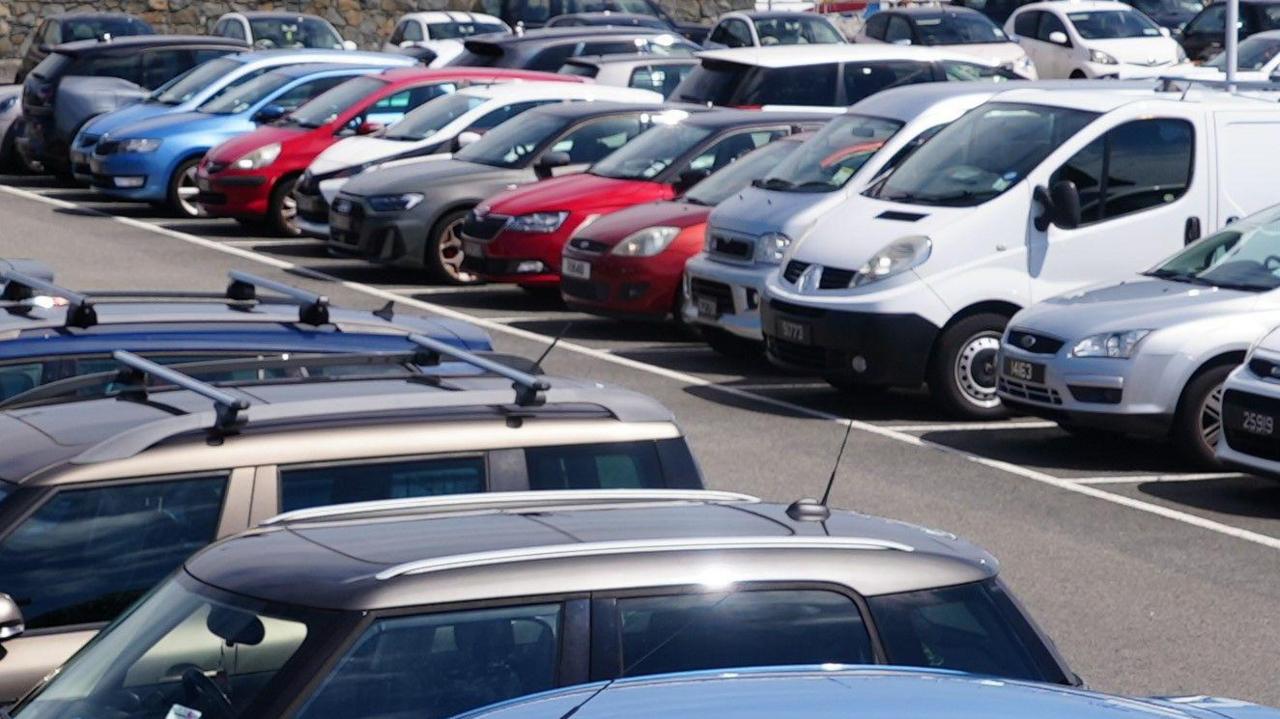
{"points": [[1246, 159]]}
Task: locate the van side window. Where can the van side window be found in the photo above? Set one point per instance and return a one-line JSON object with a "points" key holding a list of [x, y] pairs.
{"points": [[303, 486], [1133, 167], [101, 548], [740, 629]]}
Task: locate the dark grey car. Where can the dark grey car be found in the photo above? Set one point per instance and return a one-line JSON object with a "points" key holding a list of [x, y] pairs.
{"points": [[547, 49], [408, 214]]}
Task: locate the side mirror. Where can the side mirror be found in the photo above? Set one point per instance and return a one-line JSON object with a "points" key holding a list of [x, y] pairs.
{"points": [[550, 161], [689, 178], [11, 622], [406, 43], [349, 45], [1061, 204], [1165, 31], [269, 113], [1058, 37], [368, 128], [465, 138], [903, 41]]}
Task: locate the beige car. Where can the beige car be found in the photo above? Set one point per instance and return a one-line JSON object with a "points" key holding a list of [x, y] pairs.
{"points": [[102, 497]]}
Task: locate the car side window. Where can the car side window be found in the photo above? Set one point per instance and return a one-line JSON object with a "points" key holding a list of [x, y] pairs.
{"points": [[613, 465], [299, 94], [1049, 24], [1133, 167], [659, 78], [738, 33], [395, 106], [100, 548], [862, 79], [18, 378], [594, 140], [436, 665], [720, 34], [730, 148], [534, 11], [898, 31], [490, 120], [161, 66], [877, 25], [1211, 21], [413, 31], [686, 632], [964, 71], [303, 486], [1027, 24]]}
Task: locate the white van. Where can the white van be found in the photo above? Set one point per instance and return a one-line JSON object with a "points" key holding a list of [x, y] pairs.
{"points": [[1032, 194]]}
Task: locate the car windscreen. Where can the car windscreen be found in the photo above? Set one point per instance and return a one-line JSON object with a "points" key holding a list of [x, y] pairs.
{"points": [[194, 80], [981, 155], [649, 155], [720, 186], [1110, 24], [958, 29], [293, 33], [428, 119], [1243, 256], [459, 30], [796, 31], [1255, 53], [828, 159], [96, 28], [512, 144], [245, 96], [327, 106]]}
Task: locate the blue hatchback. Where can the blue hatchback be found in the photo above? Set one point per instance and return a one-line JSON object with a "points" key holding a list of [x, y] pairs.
{"points": [[155, 160], [188, 91], [848, 692]]}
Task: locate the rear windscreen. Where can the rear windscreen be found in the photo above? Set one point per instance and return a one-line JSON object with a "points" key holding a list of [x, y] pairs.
{"points": [[727, 83]]}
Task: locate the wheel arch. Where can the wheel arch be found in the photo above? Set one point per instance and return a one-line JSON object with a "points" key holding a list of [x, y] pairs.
{"points": [[999, 307], [1229, 358]]}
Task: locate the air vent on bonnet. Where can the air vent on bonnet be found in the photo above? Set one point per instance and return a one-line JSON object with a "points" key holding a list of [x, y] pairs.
{"points": [[902, 216]]}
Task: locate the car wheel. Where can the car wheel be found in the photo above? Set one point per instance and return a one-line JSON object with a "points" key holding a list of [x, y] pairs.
{"points": [[9, 160], [1198, 422], [962, 371], [282, 209], [444, 251], [183, 190], [731, 345], [1078, 75]]}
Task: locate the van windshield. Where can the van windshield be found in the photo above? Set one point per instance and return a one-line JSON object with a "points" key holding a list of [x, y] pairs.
{"points": [[981, 155], [1240, 257], [831, 157]]}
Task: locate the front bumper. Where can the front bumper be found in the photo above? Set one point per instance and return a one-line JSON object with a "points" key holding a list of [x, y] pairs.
{"points": [[395, 238], [126, 176], [313, 212], [524, 258], [736, 290], [626, 287], [234, 194], [1256, 450]]}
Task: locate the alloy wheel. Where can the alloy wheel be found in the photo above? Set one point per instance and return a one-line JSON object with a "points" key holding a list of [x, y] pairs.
{"points": [[187, 191], [451, 252], [1211, 418]]}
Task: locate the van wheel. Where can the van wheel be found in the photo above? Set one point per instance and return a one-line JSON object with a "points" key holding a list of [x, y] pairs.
{"points": [[182, 190], [282, 209], [444, 251], [962, 371], [1197, 424], [731, 345]]}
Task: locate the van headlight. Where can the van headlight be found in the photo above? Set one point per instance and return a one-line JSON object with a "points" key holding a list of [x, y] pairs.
{"points": [[894, 259], [646, 243], [1116, 345], [259, 158], [770, 247]]}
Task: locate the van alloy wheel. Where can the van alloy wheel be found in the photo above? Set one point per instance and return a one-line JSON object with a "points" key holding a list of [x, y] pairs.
{"points": [[975, 369]]}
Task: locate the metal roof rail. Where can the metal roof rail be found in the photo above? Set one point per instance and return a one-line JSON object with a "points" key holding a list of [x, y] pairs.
{"points": [[501, 501], [641, 546], [313, 308], [1173, 83], [227, 407], [529, 388], [20, 286]]}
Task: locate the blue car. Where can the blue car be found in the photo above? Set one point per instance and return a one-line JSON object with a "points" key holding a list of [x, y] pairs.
{"points": [[50, 340], [849, 692], [188, 91], [155, 160]]}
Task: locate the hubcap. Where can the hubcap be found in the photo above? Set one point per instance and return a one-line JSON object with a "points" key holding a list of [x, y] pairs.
{"points": [[451, 252], [975, 371], [1211, 418], [187, 191]]}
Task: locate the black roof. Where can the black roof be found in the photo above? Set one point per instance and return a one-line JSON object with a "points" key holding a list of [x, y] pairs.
{"points": [[632, 58], [556, 34], [140, 42]]}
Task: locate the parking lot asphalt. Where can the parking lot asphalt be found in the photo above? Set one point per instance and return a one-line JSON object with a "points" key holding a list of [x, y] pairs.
{"points": [[1153, 578]]}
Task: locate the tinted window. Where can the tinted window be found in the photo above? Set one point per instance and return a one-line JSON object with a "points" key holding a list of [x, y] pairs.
{"points": [[958, 29], [397, 35], [1049, 24], [1138, 165], [737, 34], [438, 665], [712, 82], [161, 66], [1026, 24], [740, 629], [552, 58], [659, 78], [969, 628], [862, 79], [1265, 17], [125, 67], [616, 465], [316, 485], [804, 85], [534, 11], [100, 549], [899, 30], [1213, 21], [876, 26], [596, 140]]}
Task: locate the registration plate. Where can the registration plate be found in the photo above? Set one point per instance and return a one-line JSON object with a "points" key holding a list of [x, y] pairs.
{"points": [[576, 268], [1250, 421], [1024, 371], [796, 332], [707, 306], [340, 222]]}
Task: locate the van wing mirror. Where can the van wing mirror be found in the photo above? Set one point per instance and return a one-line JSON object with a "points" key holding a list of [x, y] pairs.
{"points": [[1061, 204], [11, 622]]}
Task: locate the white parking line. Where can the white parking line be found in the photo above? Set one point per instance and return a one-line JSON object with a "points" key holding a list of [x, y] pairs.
{"points": [[970, 426], [1147, 478], [688, 379]]}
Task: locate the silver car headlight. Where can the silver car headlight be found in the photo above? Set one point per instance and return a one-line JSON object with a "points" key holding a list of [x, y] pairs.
{"points": [[259, 158], [1115, 345], [894, 258], [647, 242], [537, 222], [770, 248]]}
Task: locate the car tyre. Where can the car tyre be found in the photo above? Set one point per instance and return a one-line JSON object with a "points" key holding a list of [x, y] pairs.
{"points": [[962, 372], [181, 195], [282, 209], [731, 345], [444, 250], [1197, 424]]}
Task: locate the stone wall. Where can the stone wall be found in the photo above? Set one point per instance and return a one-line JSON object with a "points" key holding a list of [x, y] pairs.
{"points": [[368, 22]]}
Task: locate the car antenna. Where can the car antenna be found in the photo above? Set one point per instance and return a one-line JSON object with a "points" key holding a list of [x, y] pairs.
{"points": [[807, 509], [387, 311], [537, 365]]}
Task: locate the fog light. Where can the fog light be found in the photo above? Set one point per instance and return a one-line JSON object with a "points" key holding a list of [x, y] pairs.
{"points": [[530, 266], [859, 364], [129, 182]]}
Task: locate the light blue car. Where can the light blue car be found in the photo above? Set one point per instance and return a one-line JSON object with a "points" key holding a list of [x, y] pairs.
{"points": [[851, 692], [192, 89], [155, 160]]}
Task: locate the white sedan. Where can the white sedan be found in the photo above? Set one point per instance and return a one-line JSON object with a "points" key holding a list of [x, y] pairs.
{"points": [[1093, 39]]}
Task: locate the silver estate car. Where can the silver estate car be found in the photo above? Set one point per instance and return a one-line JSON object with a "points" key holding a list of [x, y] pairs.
{"points": [[1148, 356]]}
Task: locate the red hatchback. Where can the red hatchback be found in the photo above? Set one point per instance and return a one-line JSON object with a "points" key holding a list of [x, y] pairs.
{"points": [[658, 165], [251, 178], [630, 264]]}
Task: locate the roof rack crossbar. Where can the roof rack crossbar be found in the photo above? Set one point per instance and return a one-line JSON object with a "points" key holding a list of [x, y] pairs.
{"points": [[529, 389], [226, 405], [20, 286], [313, 308]]}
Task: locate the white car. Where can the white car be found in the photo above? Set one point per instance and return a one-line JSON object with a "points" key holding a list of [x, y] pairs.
{"points": [[776, 27], [442, 32], [436, 128], [1259, 61], [1251, 411], [1093, 39], [948, 26], [269, 30]]}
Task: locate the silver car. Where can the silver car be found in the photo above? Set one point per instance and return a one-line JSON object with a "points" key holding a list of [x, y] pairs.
{"points": [[1148, 356]]}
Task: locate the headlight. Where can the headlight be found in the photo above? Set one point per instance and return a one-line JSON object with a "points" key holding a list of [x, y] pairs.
{"points": [[8, 103], [537, 222], [896, 257], [139, 145], [1117, 345], [395, 203], [647, 242], [259, 158], [769, 247], [1102, 58]]}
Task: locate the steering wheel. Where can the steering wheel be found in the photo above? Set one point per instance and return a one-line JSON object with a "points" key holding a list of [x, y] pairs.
{"points": [[201, 691]]}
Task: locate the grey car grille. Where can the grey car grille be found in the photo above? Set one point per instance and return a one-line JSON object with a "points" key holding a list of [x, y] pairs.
{"points": [[1030, 392]]}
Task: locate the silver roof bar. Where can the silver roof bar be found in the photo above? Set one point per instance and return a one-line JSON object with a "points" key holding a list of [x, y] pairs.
{"points": [[500, 501], [313, 308], [226, 405], [643, 546], [20, 286], [529, 388]]}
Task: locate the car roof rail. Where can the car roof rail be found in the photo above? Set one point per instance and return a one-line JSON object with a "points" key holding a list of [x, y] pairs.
{"points": [[503, 501], [227, 407], [569, 550], [21, 287], [313, 308], [529, 388]]}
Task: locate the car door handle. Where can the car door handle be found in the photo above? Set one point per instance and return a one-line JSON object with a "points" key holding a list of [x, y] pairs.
{"points": [[1191, 232]]}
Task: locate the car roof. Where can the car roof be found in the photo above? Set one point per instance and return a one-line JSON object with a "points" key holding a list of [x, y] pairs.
{"points": [[776, 56], [907, 102], [1079, 6], [451, 16], [80, 47], [933, 10], [579, 110], [723, 118], [517, 91], [314, 68], [308, 55], [830, 690], [555, 34], [631, 58], [499, 545], [610, 15], [1101, 102], [773, 14]]}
